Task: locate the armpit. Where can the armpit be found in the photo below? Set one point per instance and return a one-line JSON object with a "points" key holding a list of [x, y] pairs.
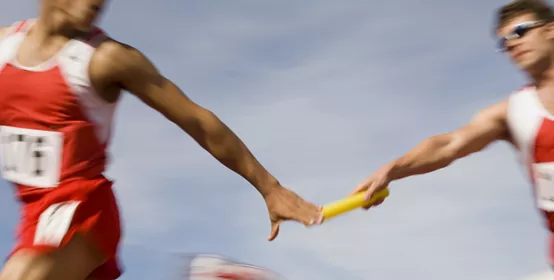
{"points": [[508, 138]]}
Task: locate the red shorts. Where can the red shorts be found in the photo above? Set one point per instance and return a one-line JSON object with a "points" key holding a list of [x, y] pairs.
{"points": [[90, 208]]}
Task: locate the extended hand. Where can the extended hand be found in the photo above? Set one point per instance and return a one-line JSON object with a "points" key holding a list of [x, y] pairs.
{"points": [[284, 205], [372, 184]]}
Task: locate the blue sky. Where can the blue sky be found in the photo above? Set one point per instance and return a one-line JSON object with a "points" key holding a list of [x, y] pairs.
{"points": [[323, 92]]}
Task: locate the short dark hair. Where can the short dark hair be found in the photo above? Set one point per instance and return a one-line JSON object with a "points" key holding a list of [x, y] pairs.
{"points": [[539, 8]]}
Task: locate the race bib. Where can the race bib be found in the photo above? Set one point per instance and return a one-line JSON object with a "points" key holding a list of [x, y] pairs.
{"points": [[544, 183], [31, 157]]}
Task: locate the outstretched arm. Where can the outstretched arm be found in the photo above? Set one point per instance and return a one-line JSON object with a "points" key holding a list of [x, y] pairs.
{"points": [[135, 73], [441, 150], [128, 69]]}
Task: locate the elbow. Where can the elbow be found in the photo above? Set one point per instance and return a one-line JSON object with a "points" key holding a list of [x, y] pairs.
{"points": [[207, 120], [198, 124], [454, 152], [448, 159]]}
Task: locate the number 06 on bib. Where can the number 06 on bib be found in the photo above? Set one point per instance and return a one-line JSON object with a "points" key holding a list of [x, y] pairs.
{"points": [[31, 157]]}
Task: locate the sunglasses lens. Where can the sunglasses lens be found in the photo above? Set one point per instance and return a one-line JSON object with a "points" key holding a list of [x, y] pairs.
{"points": [[521, 30]]}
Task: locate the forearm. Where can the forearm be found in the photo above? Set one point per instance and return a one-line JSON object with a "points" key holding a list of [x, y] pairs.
{"points": [[222, 143], [432, 154]]}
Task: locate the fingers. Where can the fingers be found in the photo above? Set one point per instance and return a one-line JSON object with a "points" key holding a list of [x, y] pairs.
{"points": [[378, 202], [369, 191], [317, 216], [288, 206], [310, 215], [366, 207], [320, 216], [305, 213], [360, 187]]}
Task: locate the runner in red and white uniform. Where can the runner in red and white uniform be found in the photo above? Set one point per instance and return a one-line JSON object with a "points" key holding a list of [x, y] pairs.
{"points": [[525, 29], [60, 80]]}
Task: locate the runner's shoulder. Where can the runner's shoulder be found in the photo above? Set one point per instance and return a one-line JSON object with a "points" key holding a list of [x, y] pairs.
{"points": [[117, 55]]}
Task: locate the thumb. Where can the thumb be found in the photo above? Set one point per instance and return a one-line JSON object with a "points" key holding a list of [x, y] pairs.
{"points": [[274, 230], [359, 188]]}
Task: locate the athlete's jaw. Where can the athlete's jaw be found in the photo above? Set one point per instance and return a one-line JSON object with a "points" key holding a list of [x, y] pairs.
{"points": [[84, 16], [77, 15]]}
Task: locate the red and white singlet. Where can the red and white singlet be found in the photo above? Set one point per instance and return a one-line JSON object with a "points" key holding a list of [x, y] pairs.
{"points": [[532, 129], [54, 135]]}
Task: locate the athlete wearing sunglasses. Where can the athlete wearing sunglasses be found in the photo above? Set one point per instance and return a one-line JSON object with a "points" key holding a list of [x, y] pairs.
{"points": [[518, 31], [525, 32]]}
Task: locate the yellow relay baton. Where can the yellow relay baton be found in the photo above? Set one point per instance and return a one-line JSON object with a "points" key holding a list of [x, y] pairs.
{"points": [[348, 204]]}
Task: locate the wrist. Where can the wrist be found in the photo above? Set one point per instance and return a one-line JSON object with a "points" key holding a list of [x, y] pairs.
{"points": [[391, 171], [267, 185]]}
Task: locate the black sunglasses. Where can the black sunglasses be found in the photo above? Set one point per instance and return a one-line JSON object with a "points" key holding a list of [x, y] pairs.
{"points": [[519, 31]]}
